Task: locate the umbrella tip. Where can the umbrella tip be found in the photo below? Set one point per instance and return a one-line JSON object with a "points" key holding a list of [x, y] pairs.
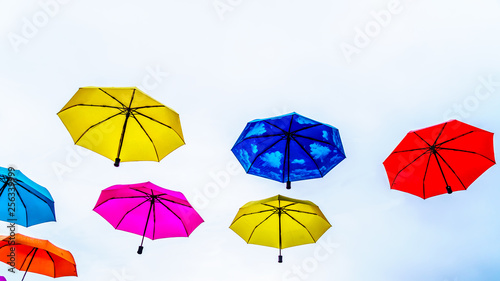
{"points": [[139, 251], [448, 189], [288, 185], [117, 162], [280, 258]]}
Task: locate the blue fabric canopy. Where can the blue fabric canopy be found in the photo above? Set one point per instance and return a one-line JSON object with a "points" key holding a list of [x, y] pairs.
{"points": [[24, 202], [288, 148]]}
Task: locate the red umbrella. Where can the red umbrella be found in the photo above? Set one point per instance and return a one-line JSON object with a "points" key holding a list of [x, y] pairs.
{"points": [[440, 159]]}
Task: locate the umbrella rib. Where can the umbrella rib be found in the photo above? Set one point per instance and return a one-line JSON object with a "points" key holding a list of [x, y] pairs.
{"points": [[143, 192], [152, 119], [22, 201], [451, 170], [248, 214], [454, 138], [91, 105], [182, 222], [422, 138], [302, 212], [18, 183], [262, 152], [439, 135], [96, 124], [32, 249], [128, 212], [154, 146], [310, 156], [261, 136], [259, 224], [467, 151], [309, 127], [301, 225], [425, 175], [154, 219], [3, 186], [125, 197], [178, 203], [291, 204], [284, 132], [124, 106], [406, 167], [147, 106], [313, 139], [53, 262]]}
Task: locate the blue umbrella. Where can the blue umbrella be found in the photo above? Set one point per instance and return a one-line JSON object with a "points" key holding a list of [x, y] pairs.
{"points": [[22, 201], [288, 148]]}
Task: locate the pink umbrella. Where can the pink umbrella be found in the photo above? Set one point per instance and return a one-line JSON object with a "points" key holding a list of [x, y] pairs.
{"points": [[148, 210]]}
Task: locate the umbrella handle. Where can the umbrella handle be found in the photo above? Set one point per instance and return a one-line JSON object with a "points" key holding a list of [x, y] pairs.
{"points": [[288, 185], [117, 162], [139, 251], [448, 189], [280, 258]]}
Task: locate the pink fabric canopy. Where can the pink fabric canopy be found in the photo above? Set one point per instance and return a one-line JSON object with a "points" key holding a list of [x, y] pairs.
{"points": [[148, 210]]}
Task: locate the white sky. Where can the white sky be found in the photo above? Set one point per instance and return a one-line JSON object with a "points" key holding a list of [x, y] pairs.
{"points": [[222, 67]]}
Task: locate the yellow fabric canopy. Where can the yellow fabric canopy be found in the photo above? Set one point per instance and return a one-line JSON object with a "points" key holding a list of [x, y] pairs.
{"points": [[280, 222], [122, 124]]}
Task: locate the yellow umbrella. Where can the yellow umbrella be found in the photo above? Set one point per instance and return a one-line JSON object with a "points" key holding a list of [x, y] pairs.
{"points": [[122, 124], [280, 222]]}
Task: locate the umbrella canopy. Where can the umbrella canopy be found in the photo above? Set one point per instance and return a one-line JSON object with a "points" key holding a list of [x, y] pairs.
{"points": [[288, 148], [440, 159], [2, 278], [23, 201], [37, 256], [280, 222], [122, 124], [148, 210]]}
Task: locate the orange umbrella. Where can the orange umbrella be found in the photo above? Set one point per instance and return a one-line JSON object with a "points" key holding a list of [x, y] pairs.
{"points": [[36, 255]]}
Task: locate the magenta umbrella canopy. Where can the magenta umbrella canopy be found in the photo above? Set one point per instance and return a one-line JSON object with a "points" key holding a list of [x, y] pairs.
{"points": [[147, 210]]}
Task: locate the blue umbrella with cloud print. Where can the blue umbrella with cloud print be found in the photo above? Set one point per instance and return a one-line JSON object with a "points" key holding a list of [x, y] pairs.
{"points": [[288, 148], [23, 201]]}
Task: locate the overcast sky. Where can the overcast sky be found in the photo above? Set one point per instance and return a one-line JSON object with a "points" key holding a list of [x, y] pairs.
{"points": [[373, 69]]}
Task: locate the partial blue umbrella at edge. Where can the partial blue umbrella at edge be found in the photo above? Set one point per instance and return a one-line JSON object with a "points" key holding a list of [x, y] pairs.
{"points": [[288, 148], [24, 202]]}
